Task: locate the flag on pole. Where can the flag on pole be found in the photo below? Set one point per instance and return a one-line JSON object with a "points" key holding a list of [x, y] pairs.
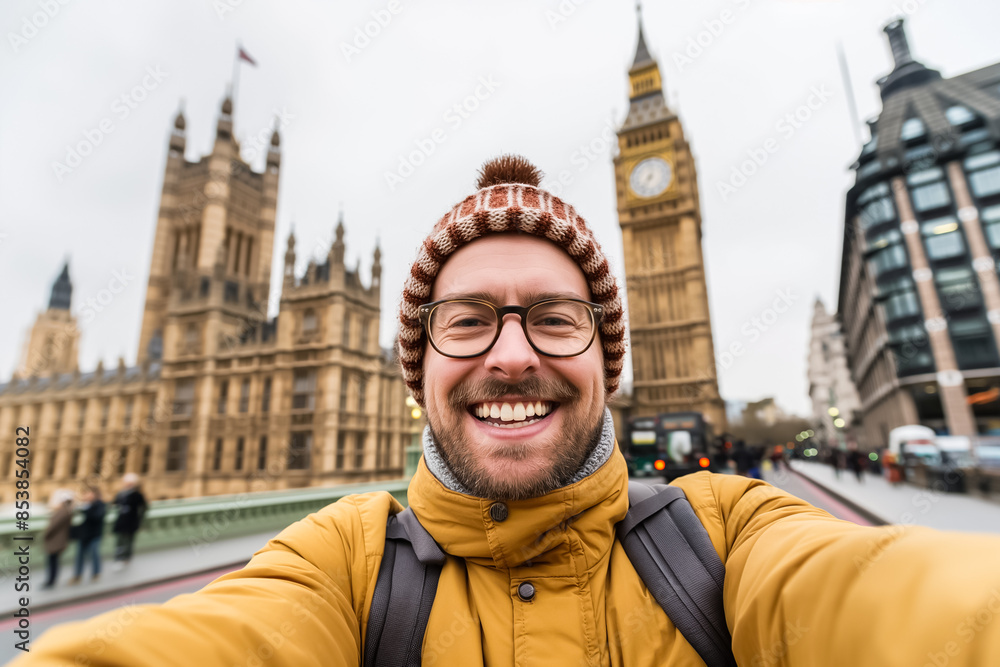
{"points": [[243, 55]]}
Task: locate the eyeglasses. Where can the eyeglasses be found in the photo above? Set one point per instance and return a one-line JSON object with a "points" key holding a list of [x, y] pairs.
{"points": [[464, 328]]}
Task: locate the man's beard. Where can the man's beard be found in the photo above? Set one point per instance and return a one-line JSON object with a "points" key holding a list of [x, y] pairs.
{"points": [[577, 442]]}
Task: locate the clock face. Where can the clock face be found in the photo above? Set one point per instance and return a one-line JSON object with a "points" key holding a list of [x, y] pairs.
{"points": [[651, 177]]}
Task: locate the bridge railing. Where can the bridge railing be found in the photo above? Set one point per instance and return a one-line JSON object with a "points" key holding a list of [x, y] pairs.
{"points": [[194, 522]]}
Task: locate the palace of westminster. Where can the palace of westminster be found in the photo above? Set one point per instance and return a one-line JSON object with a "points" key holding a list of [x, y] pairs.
{"points": [[223, 399]]}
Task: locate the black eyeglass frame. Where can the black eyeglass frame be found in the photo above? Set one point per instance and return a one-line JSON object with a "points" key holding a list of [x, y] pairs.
{"points": [[425, 311]]}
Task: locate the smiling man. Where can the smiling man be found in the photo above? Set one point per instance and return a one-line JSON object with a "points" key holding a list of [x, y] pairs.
{"points": [[512, 335]]}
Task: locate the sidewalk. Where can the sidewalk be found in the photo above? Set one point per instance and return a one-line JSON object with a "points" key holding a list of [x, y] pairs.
{"points": [[905, 504], [145, 569]]}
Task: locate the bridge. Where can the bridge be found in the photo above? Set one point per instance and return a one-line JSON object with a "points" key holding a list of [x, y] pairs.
{"points": [[184, 544]]}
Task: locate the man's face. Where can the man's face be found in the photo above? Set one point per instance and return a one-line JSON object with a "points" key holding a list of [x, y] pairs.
{"points": [[517, 458]]}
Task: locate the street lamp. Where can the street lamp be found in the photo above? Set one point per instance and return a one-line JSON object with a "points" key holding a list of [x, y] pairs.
{"points": [[414, 449]]}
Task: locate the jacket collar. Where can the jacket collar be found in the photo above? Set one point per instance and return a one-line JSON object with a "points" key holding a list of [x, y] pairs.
{"points": [[539, 530]]}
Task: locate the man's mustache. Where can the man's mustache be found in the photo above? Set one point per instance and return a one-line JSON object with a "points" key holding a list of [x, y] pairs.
{"points": [[491, 389]]}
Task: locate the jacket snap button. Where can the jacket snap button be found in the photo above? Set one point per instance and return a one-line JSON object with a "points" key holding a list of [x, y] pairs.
{"points": [[526, 591], [498, 512]]}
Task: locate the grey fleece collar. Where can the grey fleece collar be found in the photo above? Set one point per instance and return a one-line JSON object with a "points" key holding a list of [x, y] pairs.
{"points": [[602, 452]]}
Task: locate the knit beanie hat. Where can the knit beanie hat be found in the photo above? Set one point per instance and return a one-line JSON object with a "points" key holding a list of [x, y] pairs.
{"points": [[509, 200]]}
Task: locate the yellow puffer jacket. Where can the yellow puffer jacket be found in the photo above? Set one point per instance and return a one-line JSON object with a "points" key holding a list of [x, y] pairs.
{"points": [[801, 588]]}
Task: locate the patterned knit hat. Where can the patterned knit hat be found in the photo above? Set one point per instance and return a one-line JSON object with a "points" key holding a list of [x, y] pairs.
{"points": [[509, 200]]}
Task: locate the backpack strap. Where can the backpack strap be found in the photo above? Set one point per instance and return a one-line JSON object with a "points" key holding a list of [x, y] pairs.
{"points": [[404, 593], [673, 554]]}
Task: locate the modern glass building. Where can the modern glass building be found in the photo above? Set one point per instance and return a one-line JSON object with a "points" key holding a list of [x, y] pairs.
{"points": [[919, 291]]}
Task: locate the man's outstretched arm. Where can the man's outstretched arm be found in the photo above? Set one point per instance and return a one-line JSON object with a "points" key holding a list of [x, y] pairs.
{"points": [[803, 588], [298, 602]]}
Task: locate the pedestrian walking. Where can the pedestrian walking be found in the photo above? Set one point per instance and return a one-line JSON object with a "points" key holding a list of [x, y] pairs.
{"points": [[56, 535], [88, 535], [856, 464], [131, 506]]}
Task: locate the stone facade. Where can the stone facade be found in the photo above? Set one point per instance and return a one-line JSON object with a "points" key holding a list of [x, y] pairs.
{"points": [[223, 398], [830, 386]]}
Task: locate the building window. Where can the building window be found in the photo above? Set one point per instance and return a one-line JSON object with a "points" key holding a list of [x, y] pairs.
{"points": [[176, 454], [304, 389], [217, 455], [902, 304], [889, 258], [309, 321], [990, 220], [265, 399], [341, 446], [345, 338], [362, 391], [240, 446], [122, 460], [223, 396], [105, 410], [959, 115], [958, 288], [129, 406], [299, 450], [913, 128], [74, 462], [245, 395], [943, 238], [57, 424], [191, 335], [365, 323], [928, 197], [984, 173], [50, 465], [359, 451], [345, 381], [98, 460], [973, 342], [83, 416], [183, 398], [875, 206], [262, 453], [147, 452]]}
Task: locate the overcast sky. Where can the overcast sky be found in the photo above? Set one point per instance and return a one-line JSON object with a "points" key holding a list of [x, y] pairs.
{"points": [[551, 80]]}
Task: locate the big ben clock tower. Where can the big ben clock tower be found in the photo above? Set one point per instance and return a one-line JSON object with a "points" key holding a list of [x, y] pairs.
{"points": [[673, 359]]}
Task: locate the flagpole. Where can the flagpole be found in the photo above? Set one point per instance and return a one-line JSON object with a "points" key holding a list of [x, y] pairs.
{"points": [[236, 74]]}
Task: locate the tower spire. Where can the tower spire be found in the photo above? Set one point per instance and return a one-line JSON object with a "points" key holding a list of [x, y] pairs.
{"points": [[62, 290], [906, 71], [642, 56], [644, 75]]}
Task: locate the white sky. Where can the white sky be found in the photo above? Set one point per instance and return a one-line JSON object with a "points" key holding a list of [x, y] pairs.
{"points": [[559, 86]]}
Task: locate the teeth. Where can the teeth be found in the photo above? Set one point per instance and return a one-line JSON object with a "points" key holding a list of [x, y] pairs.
{"points": [[512, 412]]}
